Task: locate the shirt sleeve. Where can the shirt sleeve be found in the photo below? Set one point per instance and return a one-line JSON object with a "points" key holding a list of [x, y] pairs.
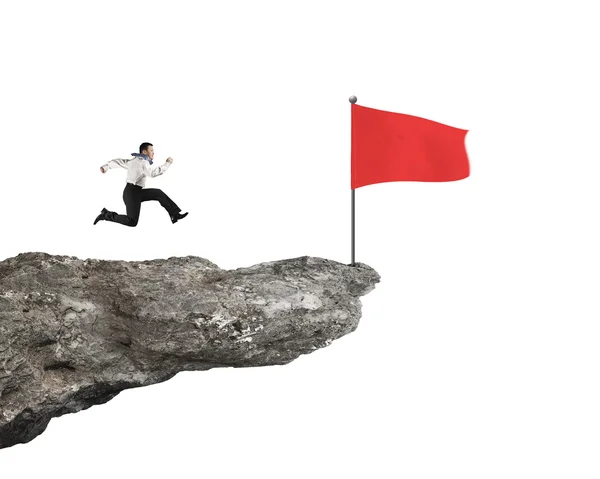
{"points": [[153, 172], [116, 162]]}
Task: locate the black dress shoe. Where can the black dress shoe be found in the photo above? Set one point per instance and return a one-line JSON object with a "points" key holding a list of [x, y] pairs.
{"points": [[176, 217], [101, 216]]}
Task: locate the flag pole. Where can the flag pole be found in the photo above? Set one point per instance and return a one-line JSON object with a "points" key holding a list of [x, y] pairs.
{"points": [[352, 100], [352, 264]]}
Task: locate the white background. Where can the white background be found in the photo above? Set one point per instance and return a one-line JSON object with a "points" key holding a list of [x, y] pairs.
{"points": [[477, 355]]}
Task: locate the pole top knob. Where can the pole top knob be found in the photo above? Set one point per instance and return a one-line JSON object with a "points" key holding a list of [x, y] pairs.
{"points": [[352, 99]]}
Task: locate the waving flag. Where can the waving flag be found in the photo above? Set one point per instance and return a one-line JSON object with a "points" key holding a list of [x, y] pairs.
{"points": [[390, 146]]}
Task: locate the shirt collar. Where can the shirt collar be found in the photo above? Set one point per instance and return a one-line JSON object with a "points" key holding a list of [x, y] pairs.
{"points": [[141, 155]]}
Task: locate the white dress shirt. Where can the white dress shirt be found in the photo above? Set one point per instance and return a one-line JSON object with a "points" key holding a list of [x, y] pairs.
{"points": [[137, 169]]}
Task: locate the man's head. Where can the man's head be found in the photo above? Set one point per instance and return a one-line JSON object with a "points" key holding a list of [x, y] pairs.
{"points": [[147, 149]]}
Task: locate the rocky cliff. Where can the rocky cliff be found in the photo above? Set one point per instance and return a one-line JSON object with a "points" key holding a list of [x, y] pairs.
{"points": [[74, 333]]}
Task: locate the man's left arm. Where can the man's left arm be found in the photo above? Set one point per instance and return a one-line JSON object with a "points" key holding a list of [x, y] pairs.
{"points": [[159, 170]]}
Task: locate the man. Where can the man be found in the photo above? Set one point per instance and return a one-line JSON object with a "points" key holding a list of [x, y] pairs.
{"points": [[138, 168]]}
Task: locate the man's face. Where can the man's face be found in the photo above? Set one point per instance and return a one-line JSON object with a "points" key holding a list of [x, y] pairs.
{"points": [[149, 152]]}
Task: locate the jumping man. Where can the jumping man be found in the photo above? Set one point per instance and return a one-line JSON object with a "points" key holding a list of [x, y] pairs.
{"points": [[138, 168]]}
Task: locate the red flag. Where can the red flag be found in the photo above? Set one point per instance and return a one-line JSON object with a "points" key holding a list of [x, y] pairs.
{"points": [[390, 146]]}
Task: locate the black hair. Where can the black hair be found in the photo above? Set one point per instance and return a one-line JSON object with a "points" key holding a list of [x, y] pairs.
{"points": [[144, 146]]}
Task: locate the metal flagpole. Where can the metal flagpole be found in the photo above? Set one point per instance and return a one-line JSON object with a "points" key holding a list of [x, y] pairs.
{"points": [[352, 100], [352, 264]]}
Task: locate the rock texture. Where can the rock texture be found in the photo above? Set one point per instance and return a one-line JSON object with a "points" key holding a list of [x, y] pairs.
{"points": [[74, 333]]}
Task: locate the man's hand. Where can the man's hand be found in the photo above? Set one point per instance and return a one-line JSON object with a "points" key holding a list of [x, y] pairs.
{"points": [[169, 160], [102, 169]]}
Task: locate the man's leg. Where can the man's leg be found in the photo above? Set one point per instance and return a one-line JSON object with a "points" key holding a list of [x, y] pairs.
{"points": [[132, 197], [149, 194]]}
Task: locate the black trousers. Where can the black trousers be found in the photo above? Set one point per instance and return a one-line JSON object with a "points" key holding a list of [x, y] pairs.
{"points": [[133, 196]]}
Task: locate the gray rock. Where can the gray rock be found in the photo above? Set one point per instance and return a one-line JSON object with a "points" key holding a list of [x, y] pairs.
{"points": [[74, 333]]}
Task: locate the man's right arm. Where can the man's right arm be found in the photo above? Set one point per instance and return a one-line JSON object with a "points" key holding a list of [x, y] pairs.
{"points": [[114, 163]]}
